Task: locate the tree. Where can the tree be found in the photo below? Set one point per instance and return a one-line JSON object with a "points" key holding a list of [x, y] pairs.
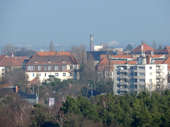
{"points": [[154, 45], [129, 47], [52, 49], [160, 47], [24, 52], [8, 49]]}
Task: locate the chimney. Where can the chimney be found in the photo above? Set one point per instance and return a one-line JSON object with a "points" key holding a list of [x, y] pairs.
{"points": [[148, 60], [91, 42], [16, 89]]}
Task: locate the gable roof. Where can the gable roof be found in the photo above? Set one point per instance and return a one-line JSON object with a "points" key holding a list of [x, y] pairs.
{"points": [[132, 62], [12, 61], [145, 48], [165, 50], [52, 58], [167, 61], [2, 57]]}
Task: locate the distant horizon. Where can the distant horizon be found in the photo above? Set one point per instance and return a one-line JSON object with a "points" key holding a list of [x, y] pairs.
{"points": [[71, 22]]}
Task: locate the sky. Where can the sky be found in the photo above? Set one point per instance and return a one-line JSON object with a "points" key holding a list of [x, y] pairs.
{"points": [[70, 22]]}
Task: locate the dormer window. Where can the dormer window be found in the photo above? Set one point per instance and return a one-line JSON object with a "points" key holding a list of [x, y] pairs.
{"points": [[63, 61], [64, 67], [35, 62], [49, 61]]}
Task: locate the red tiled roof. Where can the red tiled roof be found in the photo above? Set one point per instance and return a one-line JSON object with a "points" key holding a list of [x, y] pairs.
{"points": [[121, 56], [159, 61], [132, 62], [52, 57], [165, 50], [115, 56], [1, 57], [167, 61], [2, 86], [12, 61], [145, 48]]}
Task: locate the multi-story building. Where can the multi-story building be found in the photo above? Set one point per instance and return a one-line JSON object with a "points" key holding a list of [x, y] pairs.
{"points": [[62, 65], [9, 64], [144, 75]]}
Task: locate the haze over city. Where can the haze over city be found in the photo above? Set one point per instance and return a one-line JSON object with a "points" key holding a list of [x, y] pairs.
{"points": [[35, 23]]}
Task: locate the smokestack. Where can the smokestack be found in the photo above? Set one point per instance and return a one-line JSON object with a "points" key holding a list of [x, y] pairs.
{"points": [[16, 89], [148, 60], [91, 42]]}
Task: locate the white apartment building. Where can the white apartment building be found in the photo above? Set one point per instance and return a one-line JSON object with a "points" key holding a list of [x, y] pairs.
{"points": [[145, 75]]}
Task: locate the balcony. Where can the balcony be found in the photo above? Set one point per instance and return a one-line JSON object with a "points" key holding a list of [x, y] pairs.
{"points": [[123, 89], [123, 83], [158, 70], [158, 76], [123, 70], [123, 76]]}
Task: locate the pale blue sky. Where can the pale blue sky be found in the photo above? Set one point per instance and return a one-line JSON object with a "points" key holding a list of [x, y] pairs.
{"points": [[37, 22]]}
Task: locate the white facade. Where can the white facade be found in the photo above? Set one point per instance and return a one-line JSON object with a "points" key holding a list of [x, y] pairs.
{"points": [[2, 71], [98, 47], [136, 77], [69, 73]]}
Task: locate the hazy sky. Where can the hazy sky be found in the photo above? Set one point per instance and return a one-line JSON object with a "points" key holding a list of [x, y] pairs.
{"points": [[70, 22]]}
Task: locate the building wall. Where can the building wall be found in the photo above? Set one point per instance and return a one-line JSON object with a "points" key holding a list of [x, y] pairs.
{"points": [[2, 71], [69, 73], [134, 78]]}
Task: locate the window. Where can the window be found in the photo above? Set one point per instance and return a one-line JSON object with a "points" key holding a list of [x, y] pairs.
{"points": [[56, 74], [49, 67], [131, 86], [71, 67], [45, 74], [131, 80], [64, 74], [99, 68], [32, 74], [30, 68], [103, 68], [141, 80], [141, 74], [39, 74], [131, 74], [150, 80], [3, 74], [39, 68], [2, 69], [45, 68], [131, 67], [141, 68], [163, 73], [150, 67], [55, 67], [150, 73], [63, 67], [71, 74]]}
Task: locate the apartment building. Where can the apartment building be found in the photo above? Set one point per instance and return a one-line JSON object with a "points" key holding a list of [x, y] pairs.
{"points": [[62, 65], [143, 75]]}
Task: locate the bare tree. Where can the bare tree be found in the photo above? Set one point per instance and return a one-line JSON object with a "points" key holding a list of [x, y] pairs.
{"points": [[52, 49], [8, 49]]}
